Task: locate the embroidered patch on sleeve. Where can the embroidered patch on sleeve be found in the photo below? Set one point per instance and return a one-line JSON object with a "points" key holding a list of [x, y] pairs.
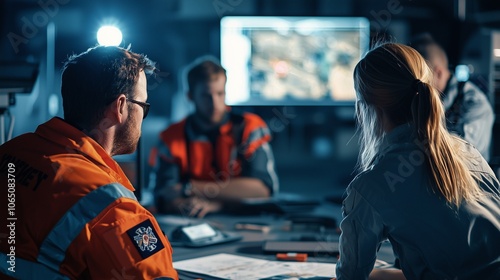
{"points": [[145, 238]]}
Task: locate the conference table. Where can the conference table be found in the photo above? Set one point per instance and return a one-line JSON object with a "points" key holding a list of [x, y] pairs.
{"points": [[313, 224]]}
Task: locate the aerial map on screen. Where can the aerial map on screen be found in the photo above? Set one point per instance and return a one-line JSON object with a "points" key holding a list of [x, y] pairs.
{"points": [[291, 61]]}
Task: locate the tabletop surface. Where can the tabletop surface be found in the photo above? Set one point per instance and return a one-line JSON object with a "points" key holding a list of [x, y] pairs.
{"points": [[277, 227]]}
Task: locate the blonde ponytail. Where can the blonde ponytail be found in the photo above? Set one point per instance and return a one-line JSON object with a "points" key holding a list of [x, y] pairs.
{"points": [[447, 162], [395, 79]]}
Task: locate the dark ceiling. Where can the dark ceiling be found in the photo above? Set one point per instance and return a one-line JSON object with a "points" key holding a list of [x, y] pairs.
{"points": [[148, 24]]}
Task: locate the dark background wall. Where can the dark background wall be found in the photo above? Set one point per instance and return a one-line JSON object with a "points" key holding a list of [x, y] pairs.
{"points": [[315, 147]]}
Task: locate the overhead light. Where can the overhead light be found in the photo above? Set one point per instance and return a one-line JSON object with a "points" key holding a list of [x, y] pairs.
{"points": [[109, 36]]}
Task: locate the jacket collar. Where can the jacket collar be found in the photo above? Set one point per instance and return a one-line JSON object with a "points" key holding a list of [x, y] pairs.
{"points": [[75, 141]]}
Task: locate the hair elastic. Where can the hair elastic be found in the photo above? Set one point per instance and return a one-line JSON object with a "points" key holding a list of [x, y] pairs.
{"points": [[416, 84]]}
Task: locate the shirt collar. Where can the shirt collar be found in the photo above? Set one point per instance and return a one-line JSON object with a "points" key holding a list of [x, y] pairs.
{"points": [[404, 133]]}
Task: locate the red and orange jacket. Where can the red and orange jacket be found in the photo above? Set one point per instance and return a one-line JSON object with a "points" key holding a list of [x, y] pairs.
{"points": [[239, 147], [75, 214]]}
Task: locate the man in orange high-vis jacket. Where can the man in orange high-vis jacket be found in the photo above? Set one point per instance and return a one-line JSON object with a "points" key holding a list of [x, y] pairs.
{"points": [[214, 156], [72, 211]]}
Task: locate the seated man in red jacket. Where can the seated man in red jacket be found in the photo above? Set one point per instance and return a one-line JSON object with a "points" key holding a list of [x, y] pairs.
{"points": [[214, 156], [73, 213]]}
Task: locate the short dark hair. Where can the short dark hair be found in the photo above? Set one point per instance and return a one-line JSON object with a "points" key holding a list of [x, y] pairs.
{"points": [[95, 78], [421, 42], [202, 71]]}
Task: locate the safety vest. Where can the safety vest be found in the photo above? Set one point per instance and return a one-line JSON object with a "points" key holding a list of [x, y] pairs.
{"points": [[212, 159]]}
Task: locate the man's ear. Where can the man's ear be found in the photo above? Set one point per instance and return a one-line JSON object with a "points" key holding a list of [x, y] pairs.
{"points": [[438, 73], [118, 109]]}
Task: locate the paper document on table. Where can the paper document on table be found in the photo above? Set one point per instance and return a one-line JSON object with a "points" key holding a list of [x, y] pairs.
{"points": [[227, 266]]}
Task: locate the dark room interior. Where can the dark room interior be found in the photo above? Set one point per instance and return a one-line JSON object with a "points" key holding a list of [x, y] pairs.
{"points": [[314, 146], [315, 140]]}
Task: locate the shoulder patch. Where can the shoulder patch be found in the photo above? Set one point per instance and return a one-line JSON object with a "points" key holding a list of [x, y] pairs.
{"points": [[145, 239]]}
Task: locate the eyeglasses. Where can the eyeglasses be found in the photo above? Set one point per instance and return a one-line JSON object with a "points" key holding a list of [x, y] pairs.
{"points": [[145, 106]]}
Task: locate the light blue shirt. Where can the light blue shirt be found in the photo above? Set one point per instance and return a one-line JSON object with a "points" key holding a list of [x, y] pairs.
{"points": [[394, 200]]}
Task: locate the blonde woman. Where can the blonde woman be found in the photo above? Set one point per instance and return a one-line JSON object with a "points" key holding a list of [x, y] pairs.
{"points": [[430, 193]]}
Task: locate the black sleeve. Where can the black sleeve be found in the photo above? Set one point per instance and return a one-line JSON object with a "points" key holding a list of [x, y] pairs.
{"points": [[165, 175], [261, 166]]}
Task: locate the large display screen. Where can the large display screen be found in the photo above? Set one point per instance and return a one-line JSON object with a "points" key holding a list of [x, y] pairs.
{"points": [[292, 60]]}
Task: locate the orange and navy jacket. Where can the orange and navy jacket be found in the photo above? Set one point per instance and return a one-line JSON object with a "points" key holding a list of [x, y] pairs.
{"points": [[74, 213], [239, 147]]}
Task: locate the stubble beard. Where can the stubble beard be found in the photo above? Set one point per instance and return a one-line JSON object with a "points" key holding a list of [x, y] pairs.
{"points": [[126, 139]]}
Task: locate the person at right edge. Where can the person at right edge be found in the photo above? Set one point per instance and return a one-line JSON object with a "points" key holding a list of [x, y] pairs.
{"points": [[428, 191], [468, 112]]}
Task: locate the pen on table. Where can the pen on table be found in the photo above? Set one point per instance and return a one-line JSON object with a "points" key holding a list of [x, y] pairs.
{"points": [[292, 257]]}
